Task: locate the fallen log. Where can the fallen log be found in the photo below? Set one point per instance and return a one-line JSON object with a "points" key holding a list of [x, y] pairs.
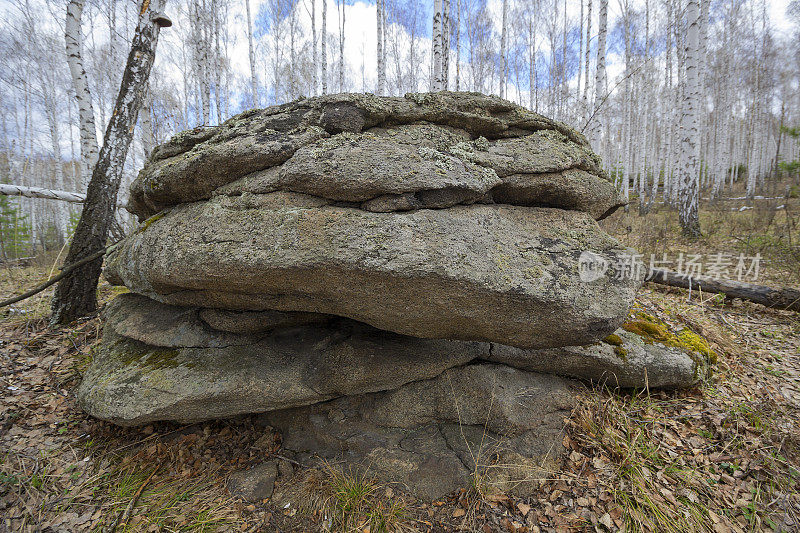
{"points": [[41, 192], [784, 298]]}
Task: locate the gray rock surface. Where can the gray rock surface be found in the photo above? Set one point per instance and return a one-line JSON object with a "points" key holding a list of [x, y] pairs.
{"points": [[162, 362], [443, 149], [258, 321], [493, 273], [621, 360], [484, 423], [254, 484], [570, 189], [131, 382]]}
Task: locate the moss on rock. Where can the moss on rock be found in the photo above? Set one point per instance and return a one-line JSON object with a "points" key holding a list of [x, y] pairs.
{"points": [[652, 330]]}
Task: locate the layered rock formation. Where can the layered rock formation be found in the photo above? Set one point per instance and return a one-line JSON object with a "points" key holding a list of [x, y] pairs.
{"points": [[391, 280]]}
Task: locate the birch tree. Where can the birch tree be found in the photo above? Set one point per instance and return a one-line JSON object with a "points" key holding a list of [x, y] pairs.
{"points": [[323, 44], [503, 52], [76, 294], [74, 46], [252, 56], [380, 12], [439, 45], [688, 173], [585, 107], [600, 74], [341, 19]]}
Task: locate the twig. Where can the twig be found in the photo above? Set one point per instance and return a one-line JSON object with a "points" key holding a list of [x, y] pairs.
{"points": [[123, 518], [66, 270]]}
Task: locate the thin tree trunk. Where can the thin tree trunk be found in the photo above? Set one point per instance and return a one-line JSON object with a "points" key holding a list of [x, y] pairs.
{"points": [[74, 47], [324, 44], [600, 75], [445, 44], [458, 45], [436, 55], [252, 55], [341, 46], [76, 294], [585, 110], [503, 51], [381, 64], [315, 62]]}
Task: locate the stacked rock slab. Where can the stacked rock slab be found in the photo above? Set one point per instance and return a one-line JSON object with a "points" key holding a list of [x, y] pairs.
{"points": [[401, 269]]}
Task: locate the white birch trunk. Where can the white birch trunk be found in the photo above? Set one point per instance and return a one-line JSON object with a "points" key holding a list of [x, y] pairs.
{"points": [[600, 75], [445, 44], [503, 49], [341, 45], [252, 56], [324, 45], [436, 44], [314, 58], [585, 107], [688, 171], [74, 47], [381, 61]]}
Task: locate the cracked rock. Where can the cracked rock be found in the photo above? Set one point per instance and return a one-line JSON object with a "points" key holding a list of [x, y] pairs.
{"points": [[480, 423]]}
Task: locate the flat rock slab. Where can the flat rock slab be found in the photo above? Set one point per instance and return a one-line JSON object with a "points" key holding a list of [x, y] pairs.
{"points": [[131, 382], [493, 273], [163, 362], [484, 423], [432, 150], [623, 359]]}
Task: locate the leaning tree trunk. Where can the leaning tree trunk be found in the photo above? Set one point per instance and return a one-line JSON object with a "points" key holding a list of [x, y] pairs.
{"points": [[76, 294], [74, 45]]}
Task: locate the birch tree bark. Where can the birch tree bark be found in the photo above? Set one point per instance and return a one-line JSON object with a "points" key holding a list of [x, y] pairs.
{"points": [[437, 82], [381, 60], [314, 57], [342, 11], [503, 49], [688, 171], [585, 107], [600, 75], [76, 294], [74, 47], [445, 44], [252, 56], [324, 43], [458, 45], [580, 53]]}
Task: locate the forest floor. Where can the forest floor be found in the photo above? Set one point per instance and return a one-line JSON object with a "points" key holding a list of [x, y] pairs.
{"points": [[724, 456]]}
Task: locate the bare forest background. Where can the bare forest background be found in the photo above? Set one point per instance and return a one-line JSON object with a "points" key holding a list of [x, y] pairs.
{"points": [[685, 100]]}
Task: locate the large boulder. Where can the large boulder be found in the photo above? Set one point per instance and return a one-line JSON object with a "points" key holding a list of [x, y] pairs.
{"points": [[432, 150], [494, 273], [484, 425]]}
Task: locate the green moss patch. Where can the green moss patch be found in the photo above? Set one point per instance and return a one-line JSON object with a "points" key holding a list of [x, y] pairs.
{"points": [[652, 330], [614, 340], [146, 224]]}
